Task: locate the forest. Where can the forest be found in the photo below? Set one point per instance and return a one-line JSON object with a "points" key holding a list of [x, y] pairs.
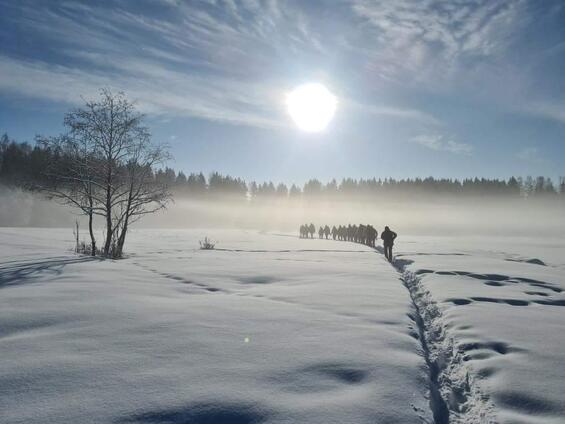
{"points": [[26, 166]]}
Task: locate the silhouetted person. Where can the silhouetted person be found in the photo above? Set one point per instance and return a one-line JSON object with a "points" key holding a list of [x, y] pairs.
{"points": [[367, 235], [375, 235], [311, 230], [327, 231], [388, 237], [321, 232], [334, 232], [304, 230]]}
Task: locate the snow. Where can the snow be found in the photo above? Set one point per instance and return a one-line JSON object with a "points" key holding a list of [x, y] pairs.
{"points": [[503, 310], [270, 328]]}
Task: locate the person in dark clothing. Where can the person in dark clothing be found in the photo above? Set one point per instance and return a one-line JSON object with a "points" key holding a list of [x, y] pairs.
{"points": [[371, 235], [388, 237]]}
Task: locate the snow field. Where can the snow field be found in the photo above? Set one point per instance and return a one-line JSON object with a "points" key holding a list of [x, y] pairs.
{"points": [[269, 329]]}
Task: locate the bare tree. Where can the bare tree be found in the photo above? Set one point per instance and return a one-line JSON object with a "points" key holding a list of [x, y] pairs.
{"points": [[142, 193], [72, 178], [110, 171]]}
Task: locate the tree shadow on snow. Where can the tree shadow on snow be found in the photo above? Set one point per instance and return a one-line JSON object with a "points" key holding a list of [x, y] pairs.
{"points": [[29, 272], [202, 413]]}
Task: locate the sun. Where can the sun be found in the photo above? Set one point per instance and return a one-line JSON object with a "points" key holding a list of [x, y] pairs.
{"points": [[311, 107]]}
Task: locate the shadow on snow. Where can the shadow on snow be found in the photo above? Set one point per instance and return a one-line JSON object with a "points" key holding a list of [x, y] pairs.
{"points": [[29, 272]]}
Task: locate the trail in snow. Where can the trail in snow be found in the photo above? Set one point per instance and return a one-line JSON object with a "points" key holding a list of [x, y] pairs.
{"points": [[454, 395], [505, 317]]}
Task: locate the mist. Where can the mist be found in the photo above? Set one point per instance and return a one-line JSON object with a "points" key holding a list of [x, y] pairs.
{"points": [[435, 216]]}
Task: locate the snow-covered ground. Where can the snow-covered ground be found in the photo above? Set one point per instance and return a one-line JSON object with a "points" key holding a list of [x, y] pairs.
{"points": [[501, 306], [268, 328], [275, 329]]}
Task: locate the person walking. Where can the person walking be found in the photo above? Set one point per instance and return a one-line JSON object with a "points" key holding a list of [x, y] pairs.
{"points": [[388, 237]]}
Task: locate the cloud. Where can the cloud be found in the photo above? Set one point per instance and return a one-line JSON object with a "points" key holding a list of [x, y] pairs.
{"points": [[192, 59], [157, 91], [418, 38], [547, 110], [441, 142], [530, 154], [404, 113], [223, 61], [231, 60], [458, 148]]}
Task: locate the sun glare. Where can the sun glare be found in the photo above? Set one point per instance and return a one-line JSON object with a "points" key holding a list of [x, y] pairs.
{"points": [[311, 107]]}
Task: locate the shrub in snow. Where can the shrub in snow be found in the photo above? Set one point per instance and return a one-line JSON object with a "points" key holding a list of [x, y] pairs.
{"points": [[81, 247], [207, 244]]}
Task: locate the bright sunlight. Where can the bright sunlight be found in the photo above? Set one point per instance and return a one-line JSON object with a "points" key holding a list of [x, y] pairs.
{"points": [[311, 107]]}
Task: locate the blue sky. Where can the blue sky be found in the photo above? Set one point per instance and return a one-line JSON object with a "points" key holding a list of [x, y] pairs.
{"points": [[454, 88]]}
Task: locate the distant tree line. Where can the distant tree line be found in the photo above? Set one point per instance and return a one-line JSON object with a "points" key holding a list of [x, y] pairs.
{"points": [[24, 165]]}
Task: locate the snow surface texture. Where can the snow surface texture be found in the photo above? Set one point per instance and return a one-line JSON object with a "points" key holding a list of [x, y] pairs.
{"points": [[265, 329], [497, 323], [269, 328]]}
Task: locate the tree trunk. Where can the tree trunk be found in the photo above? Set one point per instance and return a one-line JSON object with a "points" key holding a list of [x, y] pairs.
{"points": [[109, 233], [92, 239], [127, 214], [77, 237], [122, 237], [122, 240], [108, 211]]}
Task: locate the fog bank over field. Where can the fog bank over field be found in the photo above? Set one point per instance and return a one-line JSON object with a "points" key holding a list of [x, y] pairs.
{"points": [[445, 217], [432, 216]]}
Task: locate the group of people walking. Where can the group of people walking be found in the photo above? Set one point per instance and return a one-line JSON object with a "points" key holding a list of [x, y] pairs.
{"points": [[365, 234]]}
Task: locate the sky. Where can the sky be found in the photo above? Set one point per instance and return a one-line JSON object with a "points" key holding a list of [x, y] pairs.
{"points": [[444, 88]]}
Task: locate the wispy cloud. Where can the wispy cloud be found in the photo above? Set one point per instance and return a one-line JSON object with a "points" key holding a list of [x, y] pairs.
{"points": [[548, 110], [200, 59], [157, 91], [225, 61], [531, 154], [391, 111], [231, 60], [441, 142], [420, 37]]}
